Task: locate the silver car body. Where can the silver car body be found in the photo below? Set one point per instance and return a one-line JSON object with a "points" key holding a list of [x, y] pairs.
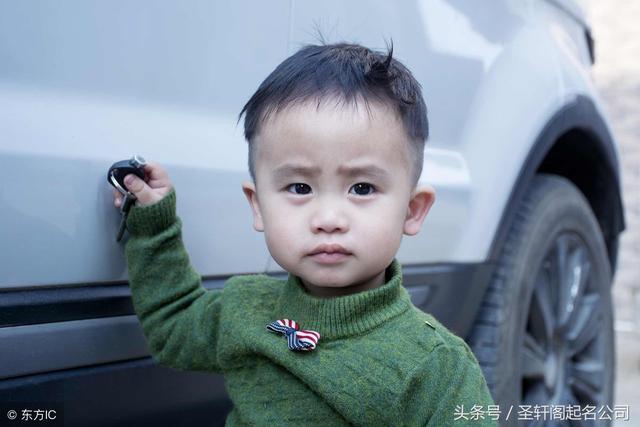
{"points": [[86, 83]]}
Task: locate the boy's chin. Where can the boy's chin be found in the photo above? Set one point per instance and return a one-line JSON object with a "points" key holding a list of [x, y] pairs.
{"points": [[323, 281], [336, 283], [323, 277]]}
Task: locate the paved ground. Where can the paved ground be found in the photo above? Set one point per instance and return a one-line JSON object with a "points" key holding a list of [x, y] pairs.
{"points": [[617, 76]]}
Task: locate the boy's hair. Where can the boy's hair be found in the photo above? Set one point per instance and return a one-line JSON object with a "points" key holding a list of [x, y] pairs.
{"points": [[347, 72]]}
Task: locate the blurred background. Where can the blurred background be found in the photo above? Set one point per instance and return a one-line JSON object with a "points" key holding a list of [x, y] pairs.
{"points": [[617, 76]]}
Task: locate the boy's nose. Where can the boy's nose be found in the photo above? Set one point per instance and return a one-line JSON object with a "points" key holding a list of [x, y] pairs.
{"points": [[329, 221]]}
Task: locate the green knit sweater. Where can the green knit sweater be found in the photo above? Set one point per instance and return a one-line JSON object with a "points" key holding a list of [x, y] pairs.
{"points": [[379, 361]]}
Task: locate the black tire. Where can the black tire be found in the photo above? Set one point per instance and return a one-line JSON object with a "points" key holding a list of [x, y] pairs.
{"points": [[533, 348]]}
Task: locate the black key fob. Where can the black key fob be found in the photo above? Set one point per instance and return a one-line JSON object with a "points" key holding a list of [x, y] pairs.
{"points": [[120, 169]]}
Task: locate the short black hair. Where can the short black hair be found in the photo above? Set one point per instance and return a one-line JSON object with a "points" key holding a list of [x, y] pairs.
{"points": [[346, 71]]}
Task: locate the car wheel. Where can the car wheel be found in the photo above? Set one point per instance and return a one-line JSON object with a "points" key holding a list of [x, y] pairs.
{"points": [[544, 331]]}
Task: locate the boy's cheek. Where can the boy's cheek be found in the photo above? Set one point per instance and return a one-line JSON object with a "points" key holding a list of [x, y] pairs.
{"points": [[283, 229], [284, 250]]}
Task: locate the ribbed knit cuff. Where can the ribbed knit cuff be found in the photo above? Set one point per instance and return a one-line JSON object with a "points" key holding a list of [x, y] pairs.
{"points": [[152, 219]]}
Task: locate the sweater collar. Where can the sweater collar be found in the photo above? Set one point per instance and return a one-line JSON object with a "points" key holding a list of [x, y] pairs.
{"points": [[338, 317]]}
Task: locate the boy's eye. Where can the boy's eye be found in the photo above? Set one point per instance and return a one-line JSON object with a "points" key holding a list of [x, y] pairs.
{"points": [[363, 189], [299, 188]]}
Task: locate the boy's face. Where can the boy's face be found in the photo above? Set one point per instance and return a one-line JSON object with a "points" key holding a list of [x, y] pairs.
{"points": [[356, 193]]}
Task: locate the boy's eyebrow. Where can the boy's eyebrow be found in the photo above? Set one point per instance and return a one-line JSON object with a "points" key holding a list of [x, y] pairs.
{"points": [[292, 169], [367, 170]]}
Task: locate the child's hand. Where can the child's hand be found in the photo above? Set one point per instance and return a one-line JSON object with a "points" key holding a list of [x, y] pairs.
{"points": [[157, 186]]}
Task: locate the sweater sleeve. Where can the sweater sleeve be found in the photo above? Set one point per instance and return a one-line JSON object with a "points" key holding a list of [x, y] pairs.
{"points": [[179, 317], [449, 389]]}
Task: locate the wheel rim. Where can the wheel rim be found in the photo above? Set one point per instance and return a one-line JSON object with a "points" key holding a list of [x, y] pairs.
{"points": [[563, 353]]}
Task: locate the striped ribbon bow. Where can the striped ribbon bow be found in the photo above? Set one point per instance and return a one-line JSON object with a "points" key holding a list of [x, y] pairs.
{"points": [[298, 339]]}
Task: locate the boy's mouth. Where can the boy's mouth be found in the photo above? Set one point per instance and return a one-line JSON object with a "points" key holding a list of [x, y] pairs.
{"points": [[329, 253], [330, 248], [329, 258]]}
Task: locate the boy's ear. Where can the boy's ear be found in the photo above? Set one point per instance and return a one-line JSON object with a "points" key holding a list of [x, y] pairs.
{"points": [[249, 190], [421, 201]]}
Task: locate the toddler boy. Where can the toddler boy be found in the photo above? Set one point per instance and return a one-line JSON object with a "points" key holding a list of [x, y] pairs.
{"points": [[336, 136]]}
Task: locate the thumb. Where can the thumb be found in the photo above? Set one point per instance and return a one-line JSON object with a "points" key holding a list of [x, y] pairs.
{"points": [[140, 189]]}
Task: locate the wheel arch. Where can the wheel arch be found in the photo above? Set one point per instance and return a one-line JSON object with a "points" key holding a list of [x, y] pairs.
{"points": [[576, 144]]}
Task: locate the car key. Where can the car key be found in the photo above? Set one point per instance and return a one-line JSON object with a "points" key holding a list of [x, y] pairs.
{"points": [[115, 177]]}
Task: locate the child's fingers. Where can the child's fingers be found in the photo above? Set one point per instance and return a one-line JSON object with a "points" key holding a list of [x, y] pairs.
{"points": [[144, 194], [156, 175], [145, 190], [117, 198], [155, 171]]}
